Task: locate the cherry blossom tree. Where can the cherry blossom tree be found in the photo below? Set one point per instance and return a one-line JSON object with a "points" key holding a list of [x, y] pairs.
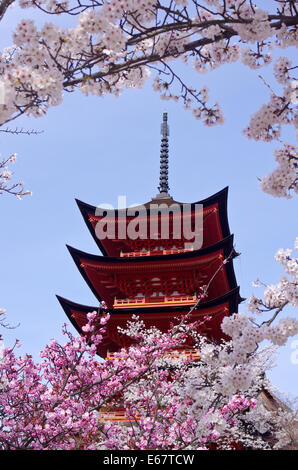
{"points": [[206, 399], [119, 44]]}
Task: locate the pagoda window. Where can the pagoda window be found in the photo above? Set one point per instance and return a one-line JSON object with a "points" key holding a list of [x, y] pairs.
{"points": [[157, 294]]}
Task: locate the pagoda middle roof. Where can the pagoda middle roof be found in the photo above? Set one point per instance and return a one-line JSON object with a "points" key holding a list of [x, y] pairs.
{"points": [[216, 224], [106, 275]]}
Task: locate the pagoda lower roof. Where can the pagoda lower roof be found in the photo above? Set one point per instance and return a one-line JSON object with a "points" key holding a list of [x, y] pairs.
{"points": [[121, 277], [161, 317], [215, 224]]}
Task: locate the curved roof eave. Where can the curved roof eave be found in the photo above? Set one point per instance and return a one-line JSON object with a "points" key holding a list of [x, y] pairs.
{"points": [[226, 244], [233, 296], [221, 197]]}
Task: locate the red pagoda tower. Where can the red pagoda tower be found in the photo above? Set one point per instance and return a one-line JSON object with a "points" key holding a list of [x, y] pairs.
{"points": [[154, 260]]}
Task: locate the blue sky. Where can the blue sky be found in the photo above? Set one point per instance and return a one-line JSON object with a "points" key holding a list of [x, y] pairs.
{"points": [[96, 149]]}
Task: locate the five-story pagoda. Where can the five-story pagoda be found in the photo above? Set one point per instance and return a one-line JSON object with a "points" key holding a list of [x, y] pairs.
{"points": [[155, 260]]}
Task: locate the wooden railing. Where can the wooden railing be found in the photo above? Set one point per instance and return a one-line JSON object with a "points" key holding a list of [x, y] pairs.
{"points": [[188, 353], [153, 301], [116, 416], [136, 254]]}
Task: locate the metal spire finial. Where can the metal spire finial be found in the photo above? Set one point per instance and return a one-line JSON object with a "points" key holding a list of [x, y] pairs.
{"points": [[164, 155]]}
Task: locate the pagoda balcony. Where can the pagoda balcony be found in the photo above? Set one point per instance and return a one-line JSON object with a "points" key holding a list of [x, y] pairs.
{"points": [[135, 254], [155, 301], [193, 354], [118, 416]]}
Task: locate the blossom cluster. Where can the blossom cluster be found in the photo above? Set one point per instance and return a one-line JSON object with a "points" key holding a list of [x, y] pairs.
{"points": [[118, 44], [170, 400], [281, 181], [16, 189], [256, 30], [277, 296]]}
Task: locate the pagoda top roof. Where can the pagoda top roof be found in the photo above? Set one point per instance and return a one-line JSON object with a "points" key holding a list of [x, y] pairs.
{"points": [[220, 196], [113, 247]]}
